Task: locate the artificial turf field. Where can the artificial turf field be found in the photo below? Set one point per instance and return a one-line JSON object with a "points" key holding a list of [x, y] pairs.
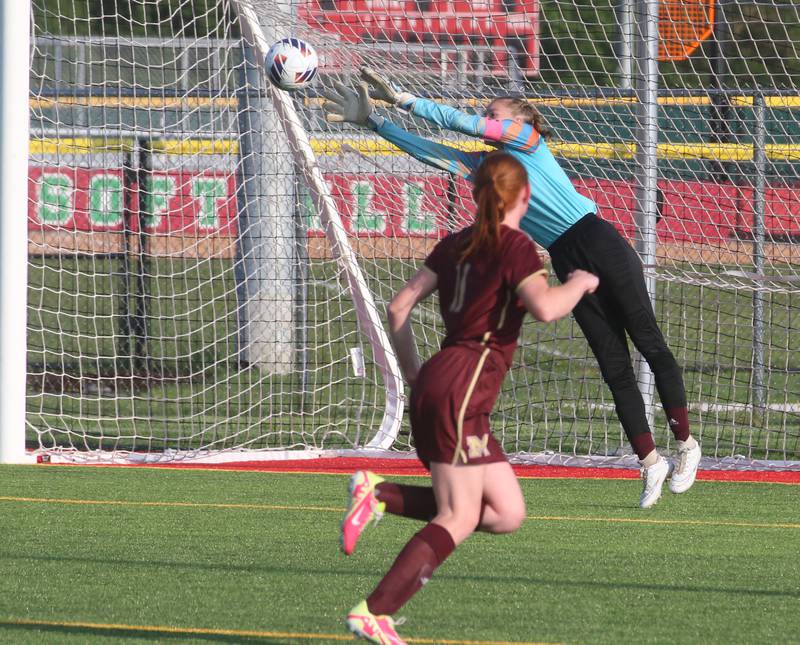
{"points": [[143, 555]]}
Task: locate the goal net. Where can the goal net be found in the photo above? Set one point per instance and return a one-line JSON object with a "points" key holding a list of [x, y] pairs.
{"points": [[209, 261]]}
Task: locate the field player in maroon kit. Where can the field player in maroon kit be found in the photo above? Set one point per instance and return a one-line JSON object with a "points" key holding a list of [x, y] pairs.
{"points": [[487, 275]]}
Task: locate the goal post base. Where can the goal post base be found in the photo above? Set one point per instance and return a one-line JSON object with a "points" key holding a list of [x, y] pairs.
{"points": [[200, 457], [245, 459]]}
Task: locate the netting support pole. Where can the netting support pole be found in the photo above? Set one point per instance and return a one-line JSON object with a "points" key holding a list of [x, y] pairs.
{"points": [[625, 22], [720, 109], [265, 251], [132, 358], [646, 87], [759, 204], [15, 29]]}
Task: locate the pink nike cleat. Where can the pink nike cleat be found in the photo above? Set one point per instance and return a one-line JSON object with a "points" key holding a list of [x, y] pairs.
{"points": [[364, 506], [375, 629]]}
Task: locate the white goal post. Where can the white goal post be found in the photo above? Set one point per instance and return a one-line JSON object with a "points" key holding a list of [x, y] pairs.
{"points": [[14, 45], [369, 317], [208, 261]]}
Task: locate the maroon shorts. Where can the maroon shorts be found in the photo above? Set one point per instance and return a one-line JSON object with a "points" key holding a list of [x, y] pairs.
{"points": [[450, 405]]}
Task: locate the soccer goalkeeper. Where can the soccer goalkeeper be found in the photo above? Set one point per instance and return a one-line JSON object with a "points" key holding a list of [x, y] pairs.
{"points": [[567, 225]]}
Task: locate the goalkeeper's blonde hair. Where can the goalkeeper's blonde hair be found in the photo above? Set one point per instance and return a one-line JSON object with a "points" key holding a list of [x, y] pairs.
{"points": [[523, 108]]}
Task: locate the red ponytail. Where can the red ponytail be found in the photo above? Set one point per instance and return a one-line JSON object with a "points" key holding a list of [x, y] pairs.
{"points": [[498, 182]]}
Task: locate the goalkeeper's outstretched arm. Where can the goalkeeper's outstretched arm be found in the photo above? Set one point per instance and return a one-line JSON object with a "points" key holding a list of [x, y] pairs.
{"points": [[354, 106], [509, 133], [434, 154]]}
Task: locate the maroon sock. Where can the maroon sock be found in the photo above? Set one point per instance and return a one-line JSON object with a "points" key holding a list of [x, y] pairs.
{"points": [[412, 568], [678, 419], [416, 502], [642, 444]]}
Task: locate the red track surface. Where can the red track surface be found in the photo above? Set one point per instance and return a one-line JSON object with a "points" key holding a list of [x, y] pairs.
{"points": [[414, 467]]}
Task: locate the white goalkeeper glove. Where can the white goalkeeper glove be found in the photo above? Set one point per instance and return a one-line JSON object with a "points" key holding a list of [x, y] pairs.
{"points": [[347, 105], [384, 90]]}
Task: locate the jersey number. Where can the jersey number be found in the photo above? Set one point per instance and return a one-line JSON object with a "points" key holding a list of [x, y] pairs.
{"points": [[461, 288]]}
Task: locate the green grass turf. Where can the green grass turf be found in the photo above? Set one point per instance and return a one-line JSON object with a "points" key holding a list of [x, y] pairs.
{"points": [[711, 566]]}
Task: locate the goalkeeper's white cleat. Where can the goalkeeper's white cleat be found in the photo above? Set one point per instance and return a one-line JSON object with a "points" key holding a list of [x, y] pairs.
{"points": [[375, 629], [363, 507], [653, 478], [686, 463]]}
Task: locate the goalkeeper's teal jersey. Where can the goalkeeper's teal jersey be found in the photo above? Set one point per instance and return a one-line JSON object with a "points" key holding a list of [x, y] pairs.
{"points": [[554, 206]]}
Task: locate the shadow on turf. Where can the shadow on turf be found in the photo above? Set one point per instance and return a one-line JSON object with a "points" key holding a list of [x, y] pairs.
{"points": [[295, 570], [139, 634]]}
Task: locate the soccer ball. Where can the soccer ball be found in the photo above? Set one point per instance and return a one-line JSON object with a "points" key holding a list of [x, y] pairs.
{"points": [[291, 64]]}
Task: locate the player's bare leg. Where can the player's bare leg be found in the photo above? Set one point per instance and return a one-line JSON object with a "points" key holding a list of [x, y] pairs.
{"points": [[459, 494], [503, 508]]}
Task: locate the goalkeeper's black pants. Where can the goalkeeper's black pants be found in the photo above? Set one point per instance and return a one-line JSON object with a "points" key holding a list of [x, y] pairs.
{"points": [[620, 305]]}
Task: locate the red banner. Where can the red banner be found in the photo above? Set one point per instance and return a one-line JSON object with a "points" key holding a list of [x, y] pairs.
{"points": [[87, 200], [200, 204]]}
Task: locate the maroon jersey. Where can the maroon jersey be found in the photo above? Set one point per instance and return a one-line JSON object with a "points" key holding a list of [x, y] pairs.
{"points": [[456, 389], [477, 298]]}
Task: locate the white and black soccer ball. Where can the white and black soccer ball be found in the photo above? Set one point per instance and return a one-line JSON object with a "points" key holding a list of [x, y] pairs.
{"points": [[291, 64]]}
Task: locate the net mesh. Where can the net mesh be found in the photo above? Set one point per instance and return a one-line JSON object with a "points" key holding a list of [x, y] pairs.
{"points": [[183, 293]]}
